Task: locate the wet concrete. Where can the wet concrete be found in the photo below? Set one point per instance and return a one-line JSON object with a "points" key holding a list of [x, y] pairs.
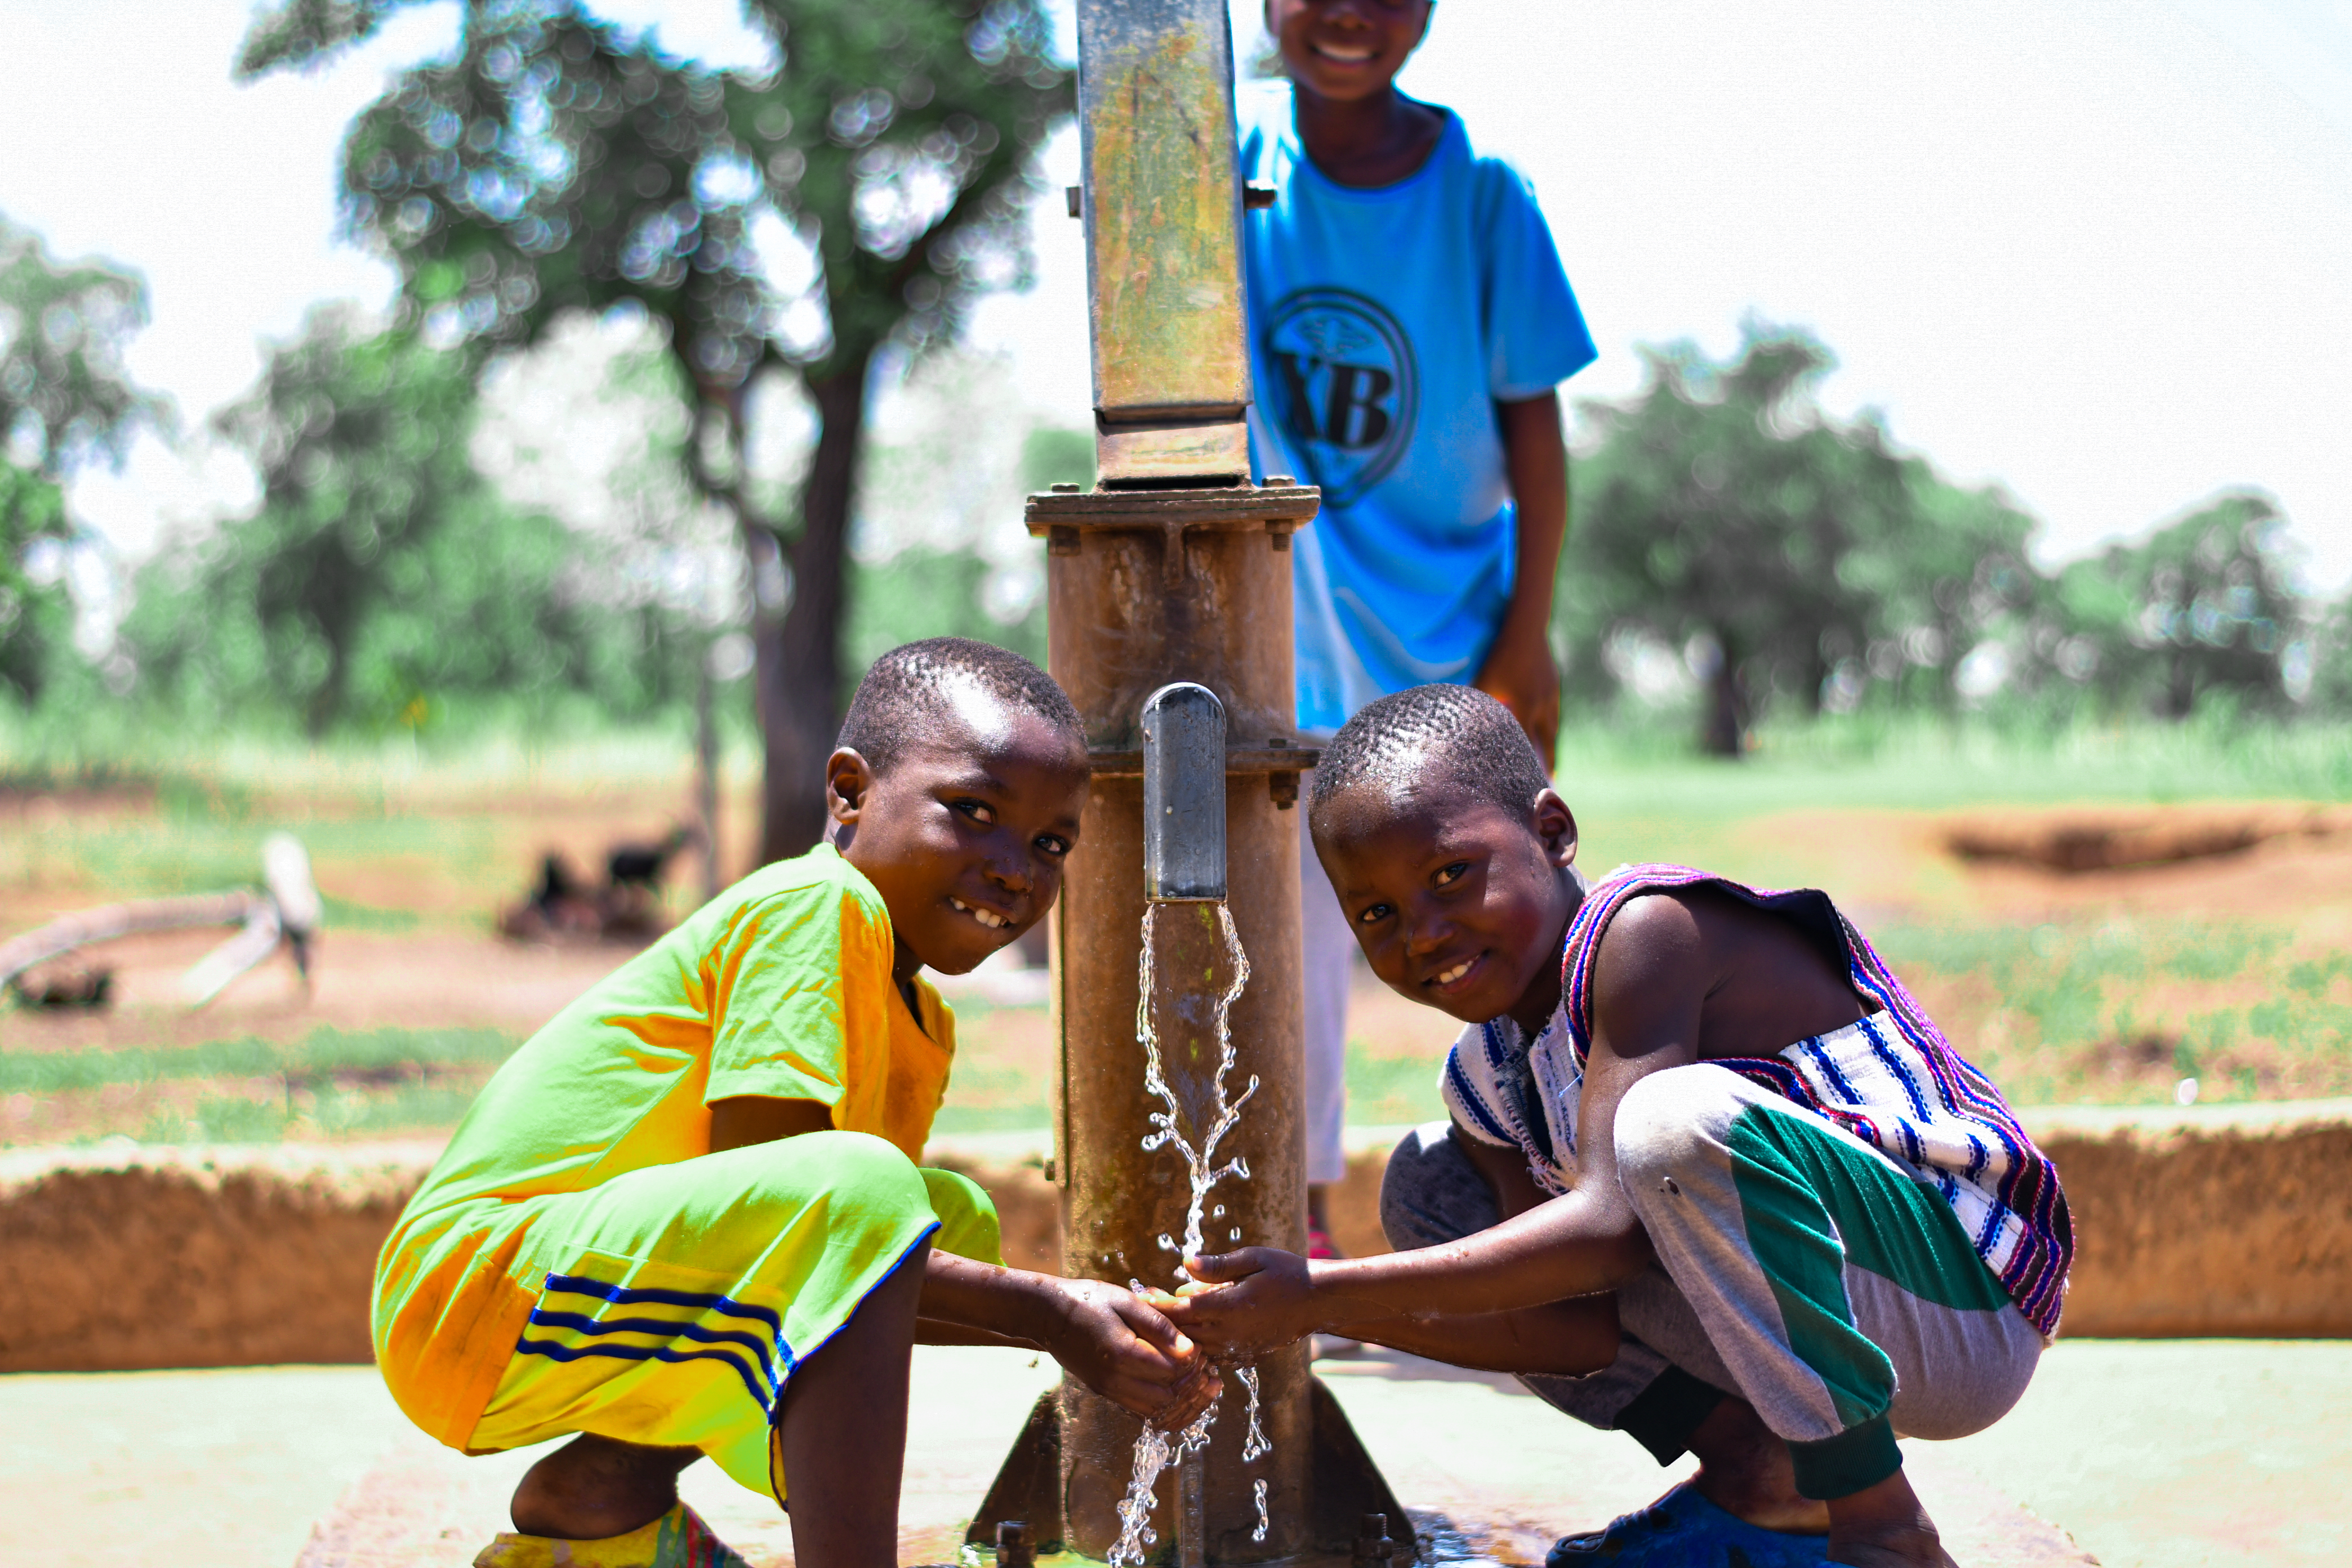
{"points": [[2169, 1454]]}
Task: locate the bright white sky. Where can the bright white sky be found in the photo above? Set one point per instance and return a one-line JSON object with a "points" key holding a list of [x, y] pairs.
{"points": [[2099, 251]]}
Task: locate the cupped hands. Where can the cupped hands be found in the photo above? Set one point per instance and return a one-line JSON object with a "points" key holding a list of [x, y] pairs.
{"points": [[1126, 1349], [1244, 1303]]}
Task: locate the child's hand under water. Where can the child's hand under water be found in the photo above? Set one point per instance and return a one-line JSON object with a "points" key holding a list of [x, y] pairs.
{"points": [[1244, 1303], [1123, 1346]]}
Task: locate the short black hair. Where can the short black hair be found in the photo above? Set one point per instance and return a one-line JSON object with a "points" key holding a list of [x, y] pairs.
{"points": [[905, 695], [1455, 736]]}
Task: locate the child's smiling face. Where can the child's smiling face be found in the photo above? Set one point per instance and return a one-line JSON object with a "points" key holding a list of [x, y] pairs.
{"points": [[1457, 903], [1346, 50], [966, 834]]}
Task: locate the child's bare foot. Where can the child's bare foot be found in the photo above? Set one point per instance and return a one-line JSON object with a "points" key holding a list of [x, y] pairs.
{"points": [[593, 1489], [1744, 1470], [1885, 1527]]}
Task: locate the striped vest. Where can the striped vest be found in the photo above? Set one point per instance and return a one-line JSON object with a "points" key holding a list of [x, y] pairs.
{"points": [[1892, 1080]]}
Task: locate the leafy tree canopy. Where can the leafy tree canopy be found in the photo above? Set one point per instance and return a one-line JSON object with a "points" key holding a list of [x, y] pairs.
{"points": [[2204, 604], [381, 576], [1723, 513], [559, 163], [65, 400]]}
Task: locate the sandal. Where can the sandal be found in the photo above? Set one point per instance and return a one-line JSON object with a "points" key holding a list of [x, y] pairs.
{"points": [[679, 1538], [1683, 1530]]}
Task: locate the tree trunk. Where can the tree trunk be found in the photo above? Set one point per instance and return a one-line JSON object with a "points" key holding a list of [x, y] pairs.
{"points": [[2179, 686], [1723, 722], [799, 654]]}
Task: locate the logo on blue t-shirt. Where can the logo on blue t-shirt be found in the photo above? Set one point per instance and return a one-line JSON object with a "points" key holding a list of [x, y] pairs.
{"points": [[1347, 388]]}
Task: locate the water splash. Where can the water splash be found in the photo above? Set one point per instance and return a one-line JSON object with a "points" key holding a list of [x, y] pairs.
{"points": [[1253, 1440], [1156, 1450], [1263, 1522], [1200, 1159]]}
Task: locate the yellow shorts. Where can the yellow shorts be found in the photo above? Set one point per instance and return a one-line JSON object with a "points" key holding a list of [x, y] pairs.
{"points": [[673, 1301]]}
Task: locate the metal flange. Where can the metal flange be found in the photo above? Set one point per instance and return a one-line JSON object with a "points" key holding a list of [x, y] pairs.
{"points": [[1278, 759], [1066, 514]]}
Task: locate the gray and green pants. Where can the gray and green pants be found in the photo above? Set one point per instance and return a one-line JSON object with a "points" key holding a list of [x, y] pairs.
{"points": [[1797, 1266]]}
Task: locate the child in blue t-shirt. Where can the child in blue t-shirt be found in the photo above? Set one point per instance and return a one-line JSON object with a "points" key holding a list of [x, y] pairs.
{"points": [[1409, 323]]}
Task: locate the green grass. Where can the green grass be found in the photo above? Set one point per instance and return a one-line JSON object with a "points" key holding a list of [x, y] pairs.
{"points": [[984, 1097], [1384, 1092], [231, 1118], [208, 772], [158, 855], [2123, 1009], [323, 1054], [342, 914], [1923, 763]]}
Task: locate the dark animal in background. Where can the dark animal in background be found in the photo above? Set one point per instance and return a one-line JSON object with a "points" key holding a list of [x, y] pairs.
{"points": [[641, 864], [555, 882], [63, 986], [628, 907]]}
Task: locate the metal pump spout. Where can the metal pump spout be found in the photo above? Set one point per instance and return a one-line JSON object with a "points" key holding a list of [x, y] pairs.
{"points": [[1183, 796]]}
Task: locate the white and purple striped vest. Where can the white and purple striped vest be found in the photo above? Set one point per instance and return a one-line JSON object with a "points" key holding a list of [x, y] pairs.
{"points": [[1892, 1080]]}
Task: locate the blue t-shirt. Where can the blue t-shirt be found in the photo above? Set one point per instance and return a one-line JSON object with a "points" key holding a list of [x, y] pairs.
{"points": [[1384, 325]]}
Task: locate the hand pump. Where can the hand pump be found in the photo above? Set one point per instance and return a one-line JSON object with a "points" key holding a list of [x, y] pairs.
{"points": [[1169, 589]]}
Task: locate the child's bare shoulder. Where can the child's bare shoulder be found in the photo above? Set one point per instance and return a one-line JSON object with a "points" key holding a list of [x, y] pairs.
{"points": [[1757, 981], [1659, 927], [1690, 923]]}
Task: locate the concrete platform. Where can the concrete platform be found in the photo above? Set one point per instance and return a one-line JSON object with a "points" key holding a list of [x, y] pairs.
{"points": [[2174, 1454]]}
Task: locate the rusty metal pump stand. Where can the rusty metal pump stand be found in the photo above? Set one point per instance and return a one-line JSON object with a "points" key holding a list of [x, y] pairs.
{"points": [[1176, 568]]}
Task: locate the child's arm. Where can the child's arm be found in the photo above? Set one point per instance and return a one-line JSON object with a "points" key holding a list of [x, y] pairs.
{"points": [[1651, 982], [1518, 671], [1118, 1346], [1505, 1174], [1567, 1338], [1115, 1341]]}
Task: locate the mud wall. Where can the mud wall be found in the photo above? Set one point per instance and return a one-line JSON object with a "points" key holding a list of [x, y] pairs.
{"points": [[2190, 1234], [112, 1260], [193, 1258]]}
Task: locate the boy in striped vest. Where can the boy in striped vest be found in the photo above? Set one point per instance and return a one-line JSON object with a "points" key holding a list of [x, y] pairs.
{"points": [[1711, 1175]]}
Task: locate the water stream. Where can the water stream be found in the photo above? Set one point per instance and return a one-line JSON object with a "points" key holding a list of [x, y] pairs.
{"points": [[1156, 1450]]}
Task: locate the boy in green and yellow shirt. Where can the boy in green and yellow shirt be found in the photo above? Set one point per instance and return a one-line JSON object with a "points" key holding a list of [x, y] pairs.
{"points": [[687, 1217]]}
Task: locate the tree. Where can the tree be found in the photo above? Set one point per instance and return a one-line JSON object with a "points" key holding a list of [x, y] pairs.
{"points": [[65, 401], [382, 575], [2317, 667], [558, 164], [1723, 513], [2205, 604]]}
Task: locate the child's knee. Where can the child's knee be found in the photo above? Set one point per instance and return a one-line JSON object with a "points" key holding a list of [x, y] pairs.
{"points": [[967, 1214], [1431, 1193], [1669, 1128], [865, 1176]]}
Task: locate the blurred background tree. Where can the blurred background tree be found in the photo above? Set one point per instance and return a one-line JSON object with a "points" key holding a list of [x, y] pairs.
{"points": [[65, 401], [2206, 604], [858, 197], [1722, 514], [1727, 532], [928, 591], [382, 575]]}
